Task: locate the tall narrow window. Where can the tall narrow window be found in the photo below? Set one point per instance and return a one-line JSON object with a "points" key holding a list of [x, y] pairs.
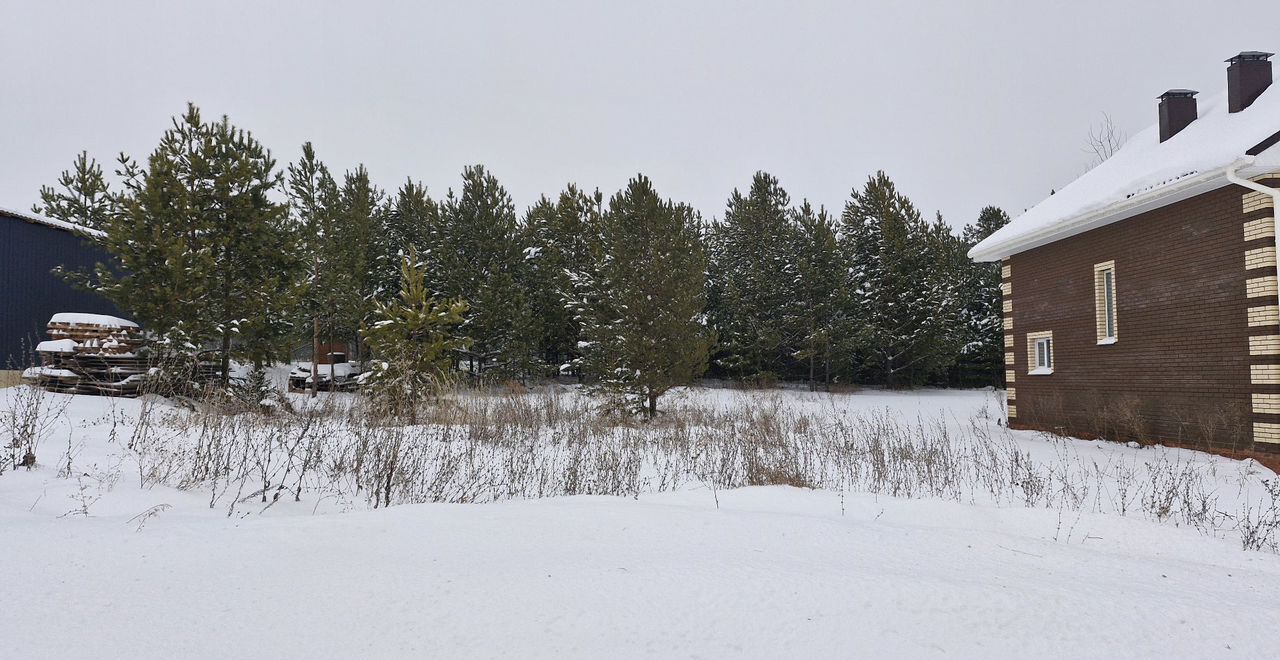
{"points": [[1104, 287], [1040, 353]]}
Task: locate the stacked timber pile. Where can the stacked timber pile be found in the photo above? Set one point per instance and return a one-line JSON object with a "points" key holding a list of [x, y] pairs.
{"points": [[91, 354]]}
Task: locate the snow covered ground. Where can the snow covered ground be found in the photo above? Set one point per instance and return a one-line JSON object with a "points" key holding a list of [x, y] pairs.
{"points": [[153, 571]]}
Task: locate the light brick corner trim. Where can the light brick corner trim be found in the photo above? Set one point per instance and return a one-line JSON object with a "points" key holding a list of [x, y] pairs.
{"points": [[1263, 257], [1256, 201], [1263, 315], [1261, 286], [1266, 432], [1260, 228]]}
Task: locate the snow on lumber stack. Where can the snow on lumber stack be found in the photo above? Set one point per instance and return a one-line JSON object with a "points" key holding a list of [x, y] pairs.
{"points": [[57, 346], [96, 320], [91, 354]]}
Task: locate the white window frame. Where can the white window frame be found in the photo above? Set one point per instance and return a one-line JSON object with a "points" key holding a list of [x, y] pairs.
{"points": [[1040, 353], [1104, 287]]}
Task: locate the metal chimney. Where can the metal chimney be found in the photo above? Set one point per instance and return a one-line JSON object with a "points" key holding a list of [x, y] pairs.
{"points": [[1248, 77], [1177, 111]]}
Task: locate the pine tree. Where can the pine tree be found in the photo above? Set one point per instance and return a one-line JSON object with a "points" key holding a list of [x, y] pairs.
{"points": [[205, 252], [982, 355], [413, 339], [946, 269], [357, 252], [83, 197], [898, 309], [563, 238], [313, 199], [642, 305], [409, 220], [479, 257], [752, 275], [815, 311]]}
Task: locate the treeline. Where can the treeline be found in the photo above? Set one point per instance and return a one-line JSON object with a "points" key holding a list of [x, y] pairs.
{"points": [[218, 245]]}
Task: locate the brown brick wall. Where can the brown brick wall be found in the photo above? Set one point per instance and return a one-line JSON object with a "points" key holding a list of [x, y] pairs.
{"points": [[1180, 370]]}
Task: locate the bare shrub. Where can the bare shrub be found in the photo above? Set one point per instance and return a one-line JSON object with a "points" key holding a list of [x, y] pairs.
{"points": [[1126, 416], [496, 445], [29, 417]]}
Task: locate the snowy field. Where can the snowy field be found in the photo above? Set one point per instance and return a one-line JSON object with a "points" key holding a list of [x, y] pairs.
{"points": [[122, 542]]}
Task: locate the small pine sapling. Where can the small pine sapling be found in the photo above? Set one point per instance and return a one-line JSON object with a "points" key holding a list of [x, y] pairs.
{"points": [[413, 342]]}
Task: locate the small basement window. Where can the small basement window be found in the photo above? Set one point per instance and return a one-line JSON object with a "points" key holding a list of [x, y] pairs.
{"points": [[1104, 293], [1040, 353]]}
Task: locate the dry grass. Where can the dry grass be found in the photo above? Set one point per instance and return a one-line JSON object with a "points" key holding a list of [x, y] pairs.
{"points": [[10, 378], [502, 444]]}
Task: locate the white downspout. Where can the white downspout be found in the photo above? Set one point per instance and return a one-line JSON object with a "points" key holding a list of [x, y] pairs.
{"points": [[1254, 185]]}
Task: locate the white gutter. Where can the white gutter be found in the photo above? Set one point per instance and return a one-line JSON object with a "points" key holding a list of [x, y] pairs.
{"points": [[1092, 220], [1235, 178]]}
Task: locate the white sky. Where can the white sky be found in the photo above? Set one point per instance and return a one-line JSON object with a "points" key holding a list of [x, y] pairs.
{"points": [[963, 103]]}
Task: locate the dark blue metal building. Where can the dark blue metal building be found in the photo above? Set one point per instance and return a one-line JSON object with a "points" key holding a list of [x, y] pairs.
{"points": [[30, 248]]}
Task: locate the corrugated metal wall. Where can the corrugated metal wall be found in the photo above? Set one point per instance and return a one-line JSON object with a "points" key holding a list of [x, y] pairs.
{"points": [[30, 293]]}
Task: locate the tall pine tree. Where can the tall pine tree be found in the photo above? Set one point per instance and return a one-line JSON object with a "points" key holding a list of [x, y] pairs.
{"points": [[563, 240], [752, 276], [358, 210], [642, 305], [478, 255], [320, 294], [205, 250], [898, 310], [815, 312], [409, 220], [981, 359]]}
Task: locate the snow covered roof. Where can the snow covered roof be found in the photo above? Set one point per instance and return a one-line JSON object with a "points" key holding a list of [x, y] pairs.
{"points": [[58, 224], [1146, 174], [78, 318]]}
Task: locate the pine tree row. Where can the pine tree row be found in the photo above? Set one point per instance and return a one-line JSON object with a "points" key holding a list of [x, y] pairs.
{"points": [[217, 247]]}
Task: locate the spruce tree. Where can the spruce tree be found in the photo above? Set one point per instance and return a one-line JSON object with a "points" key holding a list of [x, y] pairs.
{"points": [[82, 198], [642, 304]]}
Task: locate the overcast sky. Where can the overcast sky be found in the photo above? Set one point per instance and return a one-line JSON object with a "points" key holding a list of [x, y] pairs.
{"points": [[963, 104]]}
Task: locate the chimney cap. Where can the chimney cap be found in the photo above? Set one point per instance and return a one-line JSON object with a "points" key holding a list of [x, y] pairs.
{"points": [[1178, 94], [1250, 55]]}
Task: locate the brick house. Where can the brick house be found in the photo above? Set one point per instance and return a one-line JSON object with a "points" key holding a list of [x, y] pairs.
{"points": [[1140, 302]]}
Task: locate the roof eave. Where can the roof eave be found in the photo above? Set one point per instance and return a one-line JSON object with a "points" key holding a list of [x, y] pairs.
{"points": [[1128, 208], [32, 218]]}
